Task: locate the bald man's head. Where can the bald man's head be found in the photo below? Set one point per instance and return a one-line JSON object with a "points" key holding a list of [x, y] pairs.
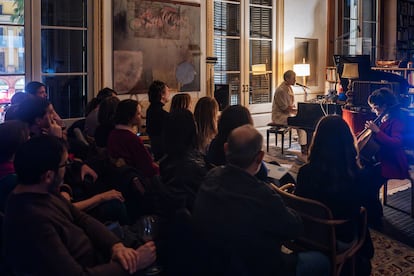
{"points": [[243, 146]]}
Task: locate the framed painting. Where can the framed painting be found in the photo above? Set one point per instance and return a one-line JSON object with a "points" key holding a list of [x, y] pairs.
{"points": [[156, 40]]}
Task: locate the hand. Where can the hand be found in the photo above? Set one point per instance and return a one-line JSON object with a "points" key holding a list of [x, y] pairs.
{"points": [[372, 126], [85, 169], [66, 195], [112, 194], [146, 254], [127, 257], [54, 129]]}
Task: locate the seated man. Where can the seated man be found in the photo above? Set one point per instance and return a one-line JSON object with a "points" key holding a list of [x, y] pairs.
{"points": [[38, 89], [283, 106], [241, 221], [45, 235]]}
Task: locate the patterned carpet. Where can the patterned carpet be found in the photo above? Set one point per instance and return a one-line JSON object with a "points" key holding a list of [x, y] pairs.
{"points": [[391, 257]]}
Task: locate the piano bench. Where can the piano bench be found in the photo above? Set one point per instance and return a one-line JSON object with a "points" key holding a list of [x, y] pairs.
{"points": [[282, 130]]}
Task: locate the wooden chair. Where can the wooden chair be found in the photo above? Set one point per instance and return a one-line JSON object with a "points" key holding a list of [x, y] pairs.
{"points": [[320, 232]]}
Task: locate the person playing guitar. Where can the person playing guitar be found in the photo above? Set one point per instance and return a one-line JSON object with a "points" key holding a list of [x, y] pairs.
{"points": [[388, 134]]}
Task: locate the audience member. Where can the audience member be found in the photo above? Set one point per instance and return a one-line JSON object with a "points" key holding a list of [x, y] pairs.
{"points": [[242, 222], [284, 106], [158, 95], [46, 235], [16, 99], [206, 114], [231, 117], [12, 134], [38, 89], [180, 101], [334, 177], [38, 113], [91, 120], [123, 143], [183, 168], [106, 114]]}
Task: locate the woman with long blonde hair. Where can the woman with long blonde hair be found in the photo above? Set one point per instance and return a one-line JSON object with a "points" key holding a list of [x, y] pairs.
{"points": [[205, 114]]}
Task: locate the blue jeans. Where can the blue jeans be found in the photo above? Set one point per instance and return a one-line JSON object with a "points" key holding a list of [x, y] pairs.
{"points": [[312, 263]]}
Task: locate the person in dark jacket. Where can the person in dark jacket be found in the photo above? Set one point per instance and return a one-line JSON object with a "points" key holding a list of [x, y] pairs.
{"points": [[158, 95], [334, 177], [45, 235], [183, 168], [241, 222]]}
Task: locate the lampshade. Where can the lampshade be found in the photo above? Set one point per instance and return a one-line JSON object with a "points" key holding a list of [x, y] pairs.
{"points": [[350, 71], [259, 69], [302, 69]]}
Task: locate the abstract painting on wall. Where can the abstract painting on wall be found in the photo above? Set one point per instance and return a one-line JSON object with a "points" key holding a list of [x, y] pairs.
{"points": [[156, 40]]}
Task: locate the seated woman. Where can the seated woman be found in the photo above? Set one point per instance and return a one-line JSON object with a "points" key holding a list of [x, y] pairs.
{"points": [[183, 169], [123, 143], [180, 101], [333, 177], [205, 115], [106, 123], [232, 117]]}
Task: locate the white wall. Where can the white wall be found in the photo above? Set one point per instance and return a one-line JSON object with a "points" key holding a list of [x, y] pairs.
{"points": [[305, 19]]}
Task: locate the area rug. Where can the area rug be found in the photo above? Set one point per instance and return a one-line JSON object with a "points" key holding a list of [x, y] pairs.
{"points": [[391, 257]]}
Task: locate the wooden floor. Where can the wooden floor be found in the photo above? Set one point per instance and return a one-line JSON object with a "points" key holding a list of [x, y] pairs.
{"points": [[396, 222]]}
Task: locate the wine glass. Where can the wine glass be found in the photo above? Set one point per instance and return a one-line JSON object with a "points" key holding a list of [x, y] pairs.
{"points": [[148, 230]]}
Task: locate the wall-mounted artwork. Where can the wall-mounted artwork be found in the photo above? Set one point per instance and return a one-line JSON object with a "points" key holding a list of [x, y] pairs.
{"points": [[156, 40]]}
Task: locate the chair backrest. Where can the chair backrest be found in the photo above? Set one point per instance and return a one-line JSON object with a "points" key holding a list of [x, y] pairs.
{"points": [[320, 228], [317, 220]]}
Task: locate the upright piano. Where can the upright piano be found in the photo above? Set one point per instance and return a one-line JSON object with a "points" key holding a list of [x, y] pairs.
{"points": [[309, 114]]}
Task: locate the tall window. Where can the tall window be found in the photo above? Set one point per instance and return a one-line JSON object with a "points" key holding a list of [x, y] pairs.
{"points": [[58, 40], [359, 28], [12, 61], [63, 51], [243, 38], [227, 46]]}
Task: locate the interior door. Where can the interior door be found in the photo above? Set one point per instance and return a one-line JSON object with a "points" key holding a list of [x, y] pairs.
{"points": [[243, 45]]}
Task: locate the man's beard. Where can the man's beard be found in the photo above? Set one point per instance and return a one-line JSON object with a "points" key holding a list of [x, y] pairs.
{"points": [[57, 180]]}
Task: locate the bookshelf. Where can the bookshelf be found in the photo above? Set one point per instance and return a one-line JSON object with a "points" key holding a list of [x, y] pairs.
{"points": [[407, 73], [405, 29]]}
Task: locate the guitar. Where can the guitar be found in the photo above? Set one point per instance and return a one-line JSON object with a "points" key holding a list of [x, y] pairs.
{"points": [[367, 145]]}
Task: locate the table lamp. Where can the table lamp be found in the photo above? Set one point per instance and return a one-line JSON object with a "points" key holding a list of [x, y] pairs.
{"points": [[350, 72], [302, 70]]}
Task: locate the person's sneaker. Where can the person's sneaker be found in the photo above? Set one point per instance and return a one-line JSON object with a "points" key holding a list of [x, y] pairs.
{"points": [[304, 149]]}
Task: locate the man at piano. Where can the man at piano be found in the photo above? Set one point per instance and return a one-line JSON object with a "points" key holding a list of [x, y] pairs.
{"points": [[283, 106]]}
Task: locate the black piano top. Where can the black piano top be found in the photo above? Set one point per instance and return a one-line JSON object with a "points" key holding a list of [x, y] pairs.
{"points": [[310, 113]]}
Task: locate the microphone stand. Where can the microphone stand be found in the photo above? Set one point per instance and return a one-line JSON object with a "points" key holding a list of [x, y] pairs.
{"points": [[305, 93]]}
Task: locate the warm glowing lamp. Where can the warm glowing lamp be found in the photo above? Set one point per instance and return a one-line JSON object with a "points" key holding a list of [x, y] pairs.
{"points": [[259, 69], [350, 72], [302, 70]]}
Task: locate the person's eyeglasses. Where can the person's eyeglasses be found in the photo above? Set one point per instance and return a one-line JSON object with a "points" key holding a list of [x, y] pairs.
{"points": [[66, 164]]}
